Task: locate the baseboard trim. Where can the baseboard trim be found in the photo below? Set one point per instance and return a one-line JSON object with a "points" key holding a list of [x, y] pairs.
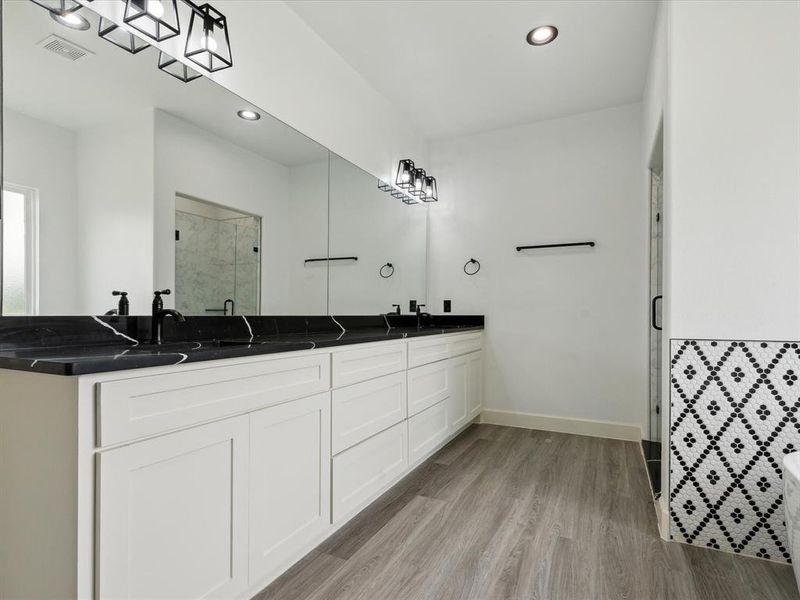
{"points": [[605, 429]]}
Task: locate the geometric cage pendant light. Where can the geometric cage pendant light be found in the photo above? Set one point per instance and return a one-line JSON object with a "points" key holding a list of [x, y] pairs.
{"points": [[415, 183], [110, 31], [405, 174], [207, 43], [157, 19], [59, 7]]}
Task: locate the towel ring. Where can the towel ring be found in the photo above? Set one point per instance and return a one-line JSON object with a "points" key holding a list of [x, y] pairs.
{"points": [[387, 266], [472, 261]]}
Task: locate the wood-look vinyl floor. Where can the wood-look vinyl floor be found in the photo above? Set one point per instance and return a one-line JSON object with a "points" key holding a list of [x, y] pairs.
{"points": [[504, 513]]}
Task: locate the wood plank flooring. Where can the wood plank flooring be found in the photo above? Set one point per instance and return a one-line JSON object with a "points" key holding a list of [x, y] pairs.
{"points": [[504, 513]]}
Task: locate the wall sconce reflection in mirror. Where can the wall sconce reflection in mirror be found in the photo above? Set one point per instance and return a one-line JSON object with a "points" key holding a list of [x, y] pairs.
{"points": [[397, 192], [472, 266], [176, 68], [387, 270], [110, 31]]}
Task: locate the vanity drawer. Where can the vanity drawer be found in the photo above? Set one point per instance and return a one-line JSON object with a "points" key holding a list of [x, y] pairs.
{"points": [[133, 408], [364, 409], [428, 385], [427, 430], [352, 366], [428, 350], [365, 470]]}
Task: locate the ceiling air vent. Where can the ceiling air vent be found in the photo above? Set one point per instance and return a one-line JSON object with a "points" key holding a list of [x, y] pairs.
{"points": [[61, 47]]}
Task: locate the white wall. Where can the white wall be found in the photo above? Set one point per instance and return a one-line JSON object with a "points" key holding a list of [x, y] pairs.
{"points": [[307, 286], [369, 223], [115, 214], [566, 329], [282, 66], [733, 182], [41, 155]]}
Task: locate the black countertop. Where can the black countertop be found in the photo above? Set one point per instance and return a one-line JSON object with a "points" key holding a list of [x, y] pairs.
{"points": [[110, 344]]}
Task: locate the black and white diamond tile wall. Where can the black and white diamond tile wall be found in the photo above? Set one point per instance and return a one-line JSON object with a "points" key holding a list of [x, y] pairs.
{"points": [[733, 416]]}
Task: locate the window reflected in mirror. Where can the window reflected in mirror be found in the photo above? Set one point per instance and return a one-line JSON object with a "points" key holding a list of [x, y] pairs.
{"points": [[20, 244]]}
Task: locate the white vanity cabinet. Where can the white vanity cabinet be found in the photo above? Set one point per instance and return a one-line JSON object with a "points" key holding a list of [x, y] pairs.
{"points": [[290, 479], [210, 479], [172, 515]]}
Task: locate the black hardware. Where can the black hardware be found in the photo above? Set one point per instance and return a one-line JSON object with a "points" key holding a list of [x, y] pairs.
{"points": [[405, 174], [199, 47], [412, 306], [255, 249], [177, 235], [653, 312], [519, 248], [389, 270], [421, 315], [159, 312], [123, 308], [396, 308], [110, 31], [225, 305], [308, 260], [447, 306], [472, 261], [158, 28]]}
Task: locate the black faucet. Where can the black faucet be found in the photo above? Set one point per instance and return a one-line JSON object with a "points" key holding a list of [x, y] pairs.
{"points": [[123, 308], [421, 315], [225, 306], [396, 308], [159, 312]]}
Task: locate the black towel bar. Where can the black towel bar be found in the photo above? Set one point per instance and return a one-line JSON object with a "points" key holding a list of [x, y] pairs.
{"points": [[519, 248], [308, 260]]}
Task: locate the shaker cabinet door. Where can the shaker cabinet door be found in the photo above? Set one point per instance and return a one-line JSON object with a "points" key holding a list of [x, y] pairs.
{"points": [[172, 515], [289, 483]]}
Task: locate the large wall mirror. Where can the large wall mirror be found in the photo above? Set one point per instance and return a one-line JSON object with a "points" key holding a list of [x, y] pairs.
{"points": [[119, 176]]}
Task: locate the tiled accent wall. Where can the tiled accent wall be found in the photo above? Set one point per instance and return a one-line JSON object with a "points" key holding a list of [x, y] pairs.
{"points": [[733, 416]]}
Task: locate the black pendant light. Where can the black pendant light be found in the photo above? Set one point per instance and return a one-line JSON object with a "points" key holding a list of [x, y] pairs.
{"points": [[157, 19], [176, 68], [59, 7], [419, 182], [429, 191], [207, 43], [108, 30], [405, 174]]}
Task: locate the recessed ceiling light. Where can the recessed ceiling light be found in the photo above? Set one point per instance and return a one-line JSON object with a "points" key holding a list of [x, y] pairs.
{"points": [[248, 115], [71, 20], [539, 36]]}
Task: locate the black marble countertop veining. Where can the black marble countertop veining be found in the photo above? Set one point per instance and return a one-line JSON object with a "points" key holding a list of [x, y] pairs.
{"points": [[83, 345]]}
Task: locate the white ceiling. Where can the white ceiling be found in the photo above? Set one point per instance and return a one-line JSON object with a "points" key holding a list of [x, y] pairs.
{"points": [[457, 67], [107, 86]]}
